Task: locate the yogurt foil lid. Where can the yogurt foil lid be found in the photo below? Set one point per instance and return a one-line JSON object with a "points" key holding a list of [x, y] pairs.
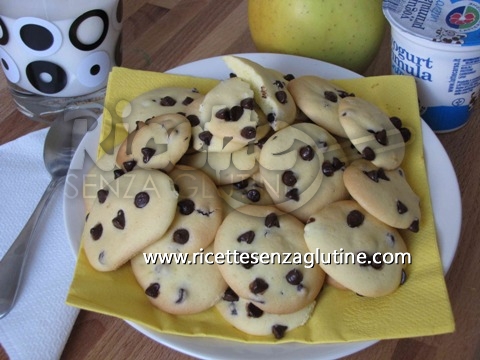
{"points": [[455, 22]]}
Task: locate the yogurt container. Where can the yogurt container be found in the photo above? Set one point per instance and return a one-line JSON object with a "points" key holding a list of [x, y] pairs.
{"points": [[438, 42]]}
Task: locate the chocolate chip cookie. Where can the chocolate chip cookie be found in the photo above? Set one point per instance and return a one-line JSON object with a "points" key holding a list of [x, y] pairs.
{"points": [[278, 284]]}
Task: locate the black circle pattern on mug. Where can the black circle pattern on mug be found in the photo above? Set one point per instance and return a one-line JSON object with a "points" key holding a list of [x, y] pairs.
{"points": [[9, 67], [94, 69], [74, 36], [46, 77], [38, 36], [3, 33]]}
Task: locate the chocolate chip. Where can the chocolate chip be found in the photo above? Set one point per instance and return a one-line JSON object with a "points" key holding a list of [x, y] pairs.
{"points": [[414, 226], [253, 311], [96, 232], [271, 117], [330, 96], [306, 153], [289, 178], [141, 199], [181, 236], [206, 137], [253, 195], [102, 195], [236, 113], [337, 164], [369, 261], [328, 169], [230, 295], [258, 286], [279, 331], [167, 101], [401, 207], [247, 103], [248, 132], [182, 294], [376, 265], [344, 94], [194, 120], [368, 153], [129, 165], [293, 194], [186, 206], [294, 277], [117, 173], [153, 290], [311, 220], [376, 175], [406, 134], [223, 114], [355, 218], [247, 261], [119, 220], [372, 174], [241, 184], [381, 137], [367, 258], [396, 122], [247, 237], [289, 77], [381, 175], [147, 154], [279, 84], [403, 277], [187, 100], [281, 96], [272, 220]]}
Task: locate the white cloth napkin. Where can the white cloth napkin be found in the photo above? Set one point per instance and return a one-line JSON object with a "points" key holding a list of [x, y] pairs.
{"points": [[40, 323]]}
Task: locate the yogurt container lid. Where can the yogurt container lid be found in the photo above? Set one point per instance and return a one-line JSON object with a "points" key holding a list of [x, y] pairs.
{"points": [[452, 22]]}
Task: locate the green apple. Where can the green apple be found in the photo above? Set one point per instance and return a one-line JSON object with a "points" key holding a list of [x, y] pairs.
{"points": [[343, 32]]}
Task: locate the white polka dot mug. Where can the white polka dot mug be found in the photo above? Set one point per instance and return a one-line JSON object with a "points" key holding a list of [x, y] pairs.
{"points": [[62, 49]]}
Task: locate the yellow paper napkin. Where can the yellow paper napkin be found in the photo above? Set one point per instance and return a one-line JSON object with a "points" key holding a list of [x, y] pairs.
{"points": [[420, 307]]}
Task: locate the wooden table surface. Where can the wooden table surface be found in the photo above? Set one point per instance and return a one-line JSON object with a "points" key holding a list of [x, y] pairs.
{"points": [[161, 34]]}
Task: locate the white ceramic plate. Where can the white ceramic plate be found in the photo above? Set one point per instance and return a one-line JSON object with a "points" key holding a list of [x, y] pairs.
{"points": [[441, 176]]}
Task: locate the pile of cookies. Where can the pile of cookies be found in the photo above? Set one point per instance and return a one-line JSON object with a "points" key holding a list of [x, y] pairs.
{"points": [[263, 163]]}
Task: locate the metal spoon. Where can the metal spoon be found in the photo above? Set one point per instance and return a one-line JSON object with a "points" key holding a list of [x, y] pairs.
{"points": [[61, 141]]}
